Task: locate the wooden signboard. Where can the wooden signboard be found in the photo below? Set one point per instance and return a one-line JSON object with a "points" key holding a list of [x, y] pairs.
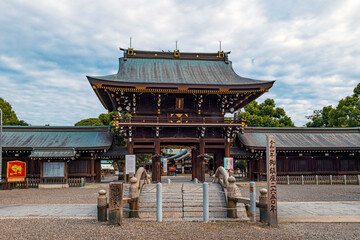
{"points": [[271, 181], [16, 171]]}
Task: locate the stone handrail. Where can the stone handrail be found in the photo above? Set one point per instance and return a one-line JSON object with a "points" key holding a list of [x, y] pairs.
{"points": [[137, 182], [221, 176], [231, 191]]}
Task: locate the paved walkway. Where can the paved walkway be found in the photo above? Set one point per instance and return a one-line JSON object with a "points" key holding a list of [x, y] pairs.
{"points": [[288, 211]]}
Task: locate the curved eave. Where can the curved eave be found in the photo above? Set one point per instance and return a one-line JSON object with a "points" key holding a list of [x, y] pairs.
{"points": [[105, 101], [112, 83]]}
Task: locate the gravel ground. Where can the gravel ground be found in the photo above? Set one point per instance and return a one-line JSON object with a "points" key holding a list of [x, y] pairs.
{"points": [[286, 193], [312, 193], [132, 229]]}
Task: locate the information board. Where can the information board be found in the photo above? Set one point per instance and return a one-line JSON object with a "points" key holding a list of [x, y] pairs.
{"points": [[271, 181], [53, 169], [130, 163], [164, 160]]}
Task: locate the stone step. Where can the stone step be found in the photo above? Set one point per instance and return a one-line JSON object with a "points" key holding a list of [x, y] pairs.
{"points": [[149, 209], [200, 209], [152, 215], [170, 200], [164, 204], [200, 214], [199, 204]]}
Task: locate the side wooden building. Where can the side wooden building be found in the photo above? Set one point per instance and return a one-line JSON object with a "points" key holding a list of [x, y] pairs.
{"points": [[57, 153]]}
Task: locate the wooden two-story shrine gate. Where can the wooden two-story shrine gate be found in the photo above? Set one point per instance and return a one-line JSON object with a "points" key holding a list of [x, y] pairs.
{"points": [[172, 99]]}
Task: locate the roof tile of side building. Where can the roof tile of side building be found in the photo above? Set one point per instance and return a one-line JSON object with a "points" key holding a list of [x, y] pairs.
{"points": [[177, 71], [303, 138], [79, 138]]}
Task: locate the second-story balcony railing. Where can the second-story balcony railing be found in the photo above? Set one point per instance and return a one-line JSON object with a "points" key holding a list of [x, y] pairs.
{"points": [[179, 120]]}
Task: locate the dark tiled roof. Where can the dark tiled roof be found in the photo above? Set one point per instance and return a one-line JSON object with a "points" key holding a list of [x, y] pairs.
{"points": [[235, 151], [174, 71], [115, 151], [79, 138], [302, 138]]}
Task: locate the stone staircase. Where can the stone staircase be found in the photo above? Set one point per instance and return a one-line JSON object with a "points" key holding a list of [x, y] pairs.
{"points": [[184, 201]]}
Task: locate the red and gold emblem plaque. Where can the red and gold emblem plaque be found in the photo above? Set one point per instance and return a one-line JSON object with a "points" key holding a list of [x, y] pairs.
{"points": [[16, 171]]}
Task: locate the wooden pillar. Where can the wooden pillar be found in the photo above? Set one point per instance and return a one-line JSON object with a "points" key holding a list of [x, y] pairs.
{"points": [[156, 172], [227, 148], [41, 170], [92, 169], [286, 164], [200, 168], [66, 173], [193, 163]]}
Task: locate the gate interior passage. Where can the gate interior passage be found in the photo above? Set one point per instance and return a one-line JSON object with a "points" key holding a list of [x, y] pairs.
{"points": [[166, 98]]}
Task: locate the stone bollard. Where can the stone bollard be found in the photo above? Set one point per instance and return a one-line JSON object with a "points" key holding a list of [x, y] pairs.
{"points": [[168, 181], [231, 197], [205, 202], [263, 205], [134, 195], [252, 202], [115, 203], [302, 179], [158, 202], [317, 179], [196, 180], [102, 206], [330, 179]]}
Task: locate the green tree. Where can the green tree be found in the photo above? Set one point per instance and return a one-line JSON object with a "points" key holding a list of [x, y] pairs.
{"points": [[105, 119], [346, 113], [265, 115], [90, 122], [9, 116]]}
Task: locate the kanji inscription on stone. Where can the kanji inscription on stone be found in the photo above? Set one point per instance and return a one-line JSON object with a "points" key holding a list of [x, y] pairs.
{"points": [[115, 203], [271, 181]]}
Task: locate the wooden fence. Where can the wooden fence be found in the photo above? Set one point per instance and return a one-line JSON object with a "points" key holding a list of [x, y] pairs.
{"points": [[34, 183], [318, 179], [75, 182]]}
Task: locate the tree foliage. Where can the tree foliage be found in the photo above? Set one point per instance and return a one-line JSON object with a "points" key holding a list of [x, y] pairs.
{"points": [[90, 122], [265, 115], [346, 113], [9, 116], [105, 119]]}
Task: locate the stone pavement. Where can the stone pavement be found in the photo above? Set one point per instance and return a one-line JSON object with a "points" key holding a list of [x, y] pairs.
{"points": [[345, 211], [288, 211]]}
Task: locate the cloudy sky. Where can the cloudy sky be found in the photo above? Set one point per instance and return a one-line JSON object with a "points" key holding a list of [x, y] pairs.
{"points": [[311, 48]]}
